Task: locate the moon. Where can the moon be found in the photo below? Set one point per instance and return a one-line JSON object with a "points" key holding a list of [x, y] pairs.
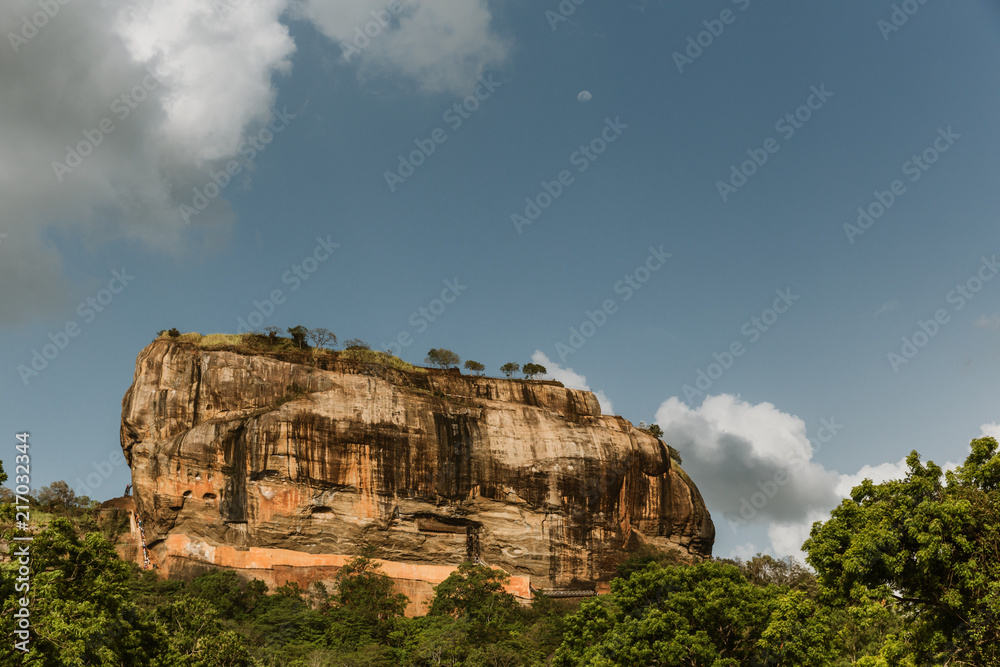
{"points": [[584, 96]]}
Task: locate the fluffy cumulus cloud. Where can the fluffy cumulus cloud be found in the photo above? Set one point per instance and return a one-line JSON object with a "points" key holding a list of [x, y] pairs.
{"points": [[218, 59], [112, 113], [882, 472], [115, 113], [571, 379], [992, 429], [753, 461], [754, 464], [442, 45]]}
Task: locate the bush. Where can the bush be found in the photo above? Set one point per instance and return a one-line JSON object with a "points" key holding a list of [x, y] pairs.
{"points": [[367, 356], [356, 344], [256, 341], [675, 455]]}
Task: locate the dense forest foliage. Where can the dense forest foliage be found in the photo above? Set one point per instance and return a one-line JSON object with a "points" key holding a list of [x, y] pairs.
{"points": [[906, 573]]}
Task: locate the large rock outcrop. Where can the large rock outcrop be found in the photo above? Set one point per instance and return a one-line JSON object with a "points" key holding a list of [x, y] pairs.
{"points": [[282, 467]]}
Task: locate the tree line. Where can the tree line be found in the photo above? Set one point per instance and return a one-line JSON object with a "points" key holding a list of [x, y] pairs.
{"points": [[443, 358], [907, 573], [320, 338]]}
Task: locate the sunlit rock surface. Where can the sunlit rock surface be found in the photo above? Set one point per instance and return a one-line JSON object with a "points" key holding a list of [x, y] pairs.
{"points": [[280, 469]]}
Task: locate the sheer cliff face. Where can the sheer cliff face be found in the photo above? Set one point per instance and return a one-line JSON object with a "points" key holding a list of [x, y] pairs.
{"points": [[228, 455]]}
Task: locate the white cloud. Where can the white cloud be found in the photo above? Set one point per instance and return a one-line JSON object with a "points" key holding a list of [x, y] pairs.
{"points": [[751, 461], [882, 472], [753, 465], [990, 429], [213, 83], [744, 551], [219, 66], [215, 65], [787, 538], [571, 379], [443, 45]]}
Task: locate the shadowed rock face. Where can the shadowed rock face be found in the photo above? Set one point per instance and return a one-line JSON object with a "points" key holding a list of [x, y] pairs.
{"points": [[429, 468]]}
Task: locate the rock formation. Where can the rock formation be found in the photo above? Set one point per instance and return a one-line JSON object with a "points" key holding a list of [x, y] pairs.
{"points": [[283, 466]]}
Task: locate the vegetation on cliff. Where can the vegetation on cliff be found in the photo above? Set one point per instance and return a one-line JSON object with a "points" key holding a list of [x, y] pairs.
{"points": [[354, 350], [255, 343]]}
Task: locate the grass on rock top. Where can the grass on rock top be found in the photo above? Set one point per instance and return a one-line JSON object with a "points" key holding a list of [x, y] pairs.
{"points": [[261, 344]]}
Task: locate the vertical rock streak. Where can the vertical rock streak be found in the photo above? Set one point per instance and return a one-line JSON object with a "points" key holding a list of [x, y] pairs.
{"points": [[428, 468]]}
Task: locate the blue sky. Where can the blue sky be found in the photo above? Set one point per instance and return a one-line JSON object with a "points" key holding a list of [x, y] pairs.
{"points": [[869, 99]]}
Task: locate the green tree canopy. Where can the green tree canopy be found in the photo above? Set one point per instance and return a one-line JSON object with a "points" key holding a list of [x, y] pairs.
{"points": [[531, 370], [81, 610], [931, 543], [510, 368], [57, 497], [442, 358], [764, 569], [705, 615], [232, 596], [299, 335], [365, 606], [475, 367], [646, 554], [476, 593]]}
